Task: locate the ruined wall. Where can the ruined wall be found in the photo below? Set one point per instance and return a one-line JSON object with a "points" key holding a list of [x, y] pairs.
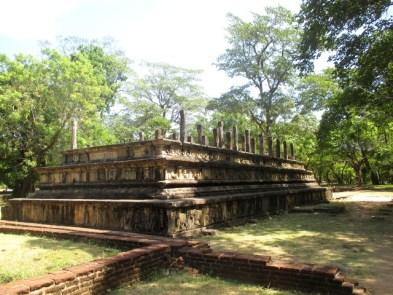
{"points": [[164, 217]]}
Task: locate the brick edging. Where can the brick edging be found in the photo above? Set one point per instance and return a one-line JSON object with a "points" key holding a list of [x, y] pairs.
{"points": [[97, 276], [264, 271], [157, 252]]}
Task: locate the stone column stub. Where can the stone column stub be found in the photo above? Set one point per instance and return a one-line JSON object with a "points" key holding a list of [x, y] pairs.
{"points": [[270, 146], [74, 134], [261, 145], [182, 126], [204, 140], [243, 142], [141, 136], [157, 134], [248, 140], [215, 137], [199, 132], [189, 139], [220, 131], [292, 151], [235, 139], [253, 145], [285, 150], [228, 140], [278, 148]]}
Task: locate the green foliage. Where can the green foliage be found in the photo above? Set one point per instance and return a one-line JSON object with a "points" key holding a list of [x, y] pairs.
{"points": [[38, 98], [107, 61], [261, 54], [345, 26], [301, 131], [359, 33], [316, 91], [156, 99], [354, 139]]}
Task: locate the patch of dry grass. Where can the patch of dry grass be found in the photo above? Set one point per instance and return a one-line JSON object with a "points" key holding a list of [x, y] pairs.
{"points": [[24, 256], [186, 283]]}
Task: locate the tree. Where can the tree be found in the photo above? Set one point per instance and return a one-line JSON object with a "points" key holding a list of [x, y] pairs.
{"points": [[354, 138], [359, 36], [156, 98], [316, 91], [38, 98], [108, 62], [261, 53]]}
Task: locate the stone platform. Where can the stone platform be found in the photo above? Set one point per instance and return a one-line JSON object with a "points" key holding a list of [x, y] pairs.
{"points": [[168, 186]]}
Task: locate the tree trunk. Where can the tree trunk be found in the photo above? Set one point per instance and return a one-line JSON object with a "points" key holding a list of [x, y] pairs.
{"points": [[359, 174], [373, 175], [25, 186]]}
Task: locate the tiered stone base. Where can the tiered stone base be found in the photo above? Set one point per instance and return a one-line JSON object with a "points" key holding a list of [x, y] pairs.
{"points": [[170, 217]]}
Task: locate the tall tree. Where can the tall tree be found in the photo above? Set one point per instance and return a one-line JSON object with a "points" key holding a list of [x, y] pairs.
{"points": [[155, 98], [38, 98], [359, 36], [262, 54], [169, 88], [108, 62]]}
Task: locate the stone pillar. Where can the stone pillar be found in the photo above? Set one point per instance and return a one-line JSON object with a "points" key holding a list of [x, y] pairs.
{"points": [[74, 134], [292, 151], [204, 140], [182, 126], [261, 145], [157, 134], [220, 130], [228, 140], [253, 145], [235, 139], [278, 148], [243, 142], [199, 132], [248, 143], [285, 148], [189, 139], [215, 137], [141, 136], [270, 146]]}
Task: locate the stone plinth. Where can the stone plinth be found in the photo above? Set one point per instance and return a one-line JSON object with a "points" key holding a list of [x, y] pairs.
{"points": [[165, 187]]}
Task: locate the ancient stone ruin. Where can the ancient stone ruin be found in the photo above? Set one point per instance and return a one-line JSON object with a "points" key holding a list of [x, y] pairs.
{"points": [[170, 186]]}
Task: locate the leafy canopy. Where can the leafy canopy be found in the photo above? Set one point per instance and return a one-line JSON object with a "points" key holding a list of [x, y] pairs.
{"points": [[261, 55]]}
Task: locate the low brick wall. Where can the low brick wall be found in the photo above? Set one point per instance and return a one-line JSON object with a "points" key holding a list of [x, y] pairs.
{"points": [[157, 252], [263, 271], [98, 276]]}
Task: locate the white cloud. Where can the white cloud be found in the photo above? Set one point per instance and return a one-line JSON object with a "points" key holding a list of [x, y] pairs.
{"points": [[183, 33], [24, 19]]}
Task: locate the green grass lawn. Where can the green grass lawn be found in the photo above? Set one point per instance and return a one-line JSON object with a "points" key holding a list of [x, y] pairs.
{"points": [[186, 283], [355, 241], [24, 256]]}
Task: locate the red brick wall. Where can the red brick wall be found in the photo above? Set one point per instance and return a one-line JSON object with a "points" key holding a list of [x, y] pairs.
{"points": [[97, 276], [263, 271]]}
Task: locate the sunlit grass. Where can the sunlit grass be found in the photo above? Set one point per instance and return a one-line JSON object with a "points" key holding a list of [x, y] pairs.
{"points": [[349, 240], [185, 283], [24, 256]]}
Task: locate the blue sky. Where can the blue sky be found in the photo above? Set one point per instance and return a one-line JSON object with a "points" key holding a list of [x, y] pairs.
{"points": [[186, 33]]}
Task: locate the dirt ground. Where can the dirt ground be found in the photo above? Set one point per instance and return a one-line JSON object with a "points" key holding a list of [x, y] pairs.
{"points": [[358, 239], [375, 206]]}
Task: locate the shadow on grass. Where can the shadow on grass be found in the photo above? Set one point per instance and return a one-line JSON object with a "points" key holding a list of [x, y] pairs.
{"points": [[182, 282], [359, 246]]}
